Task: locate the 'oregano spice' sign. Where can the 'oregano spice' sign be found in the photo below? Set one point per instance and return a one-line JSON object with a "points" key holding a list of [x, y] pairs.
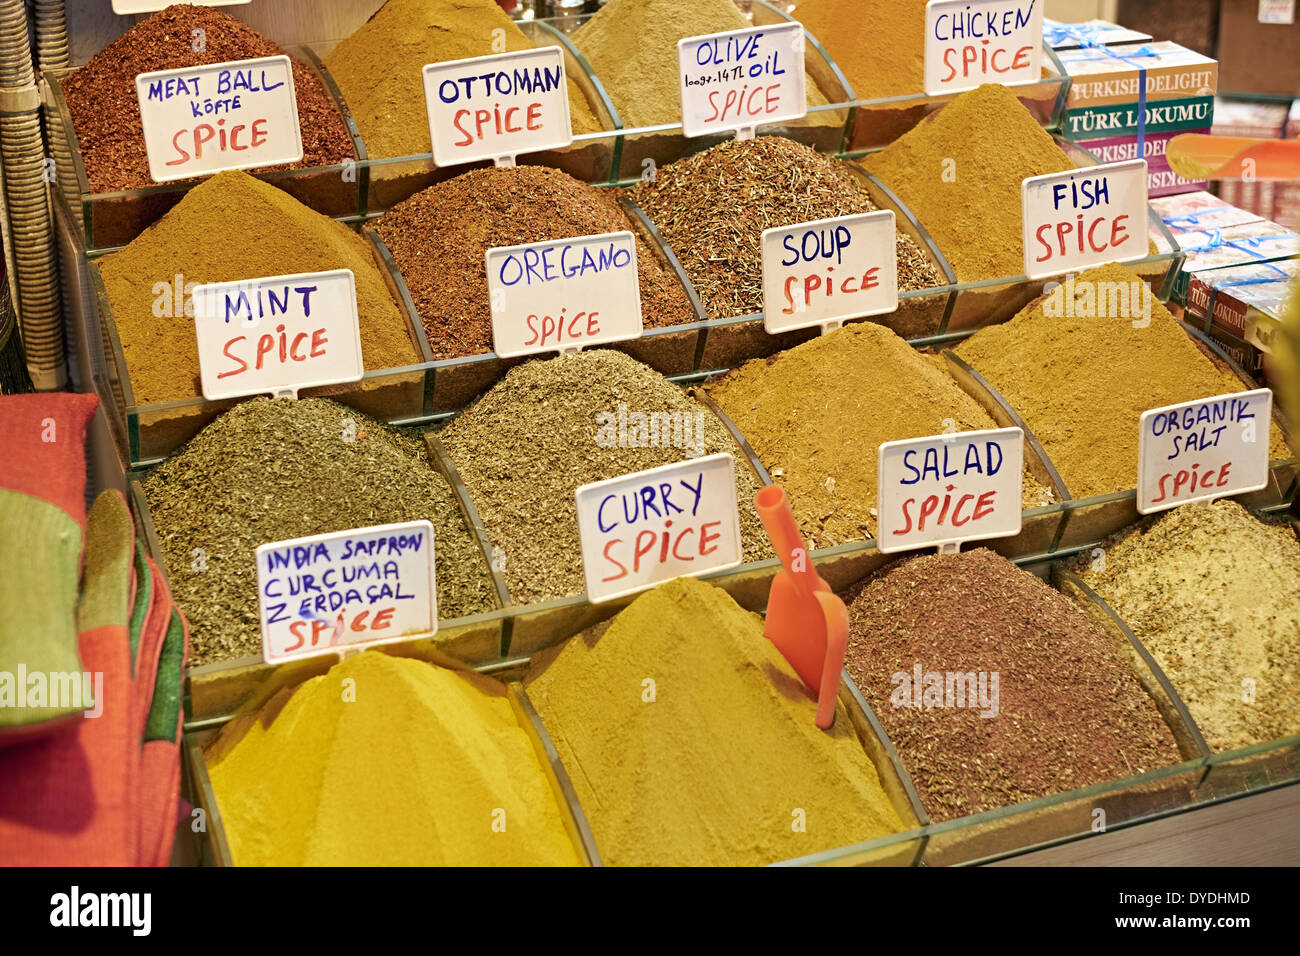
{"points": [[564, 294], [278, 334], [498, 106], [742, 78], [204, 119], [1084, 217], [1201, 450], [946, 489], [969, 42], [319, 594], [642, 529], [829, 270]]}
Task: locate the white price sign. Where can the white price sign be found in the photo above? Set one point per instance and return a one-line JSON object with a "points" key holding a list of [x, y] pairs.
{"points": [[153, 6], [565, 294], [946, 489], [1201, 450], [204, 119], [366, 586], [498, 106], [823, 272], [674, 521], [742, 78], [1084, 217], [969, 42], [278, 334]]}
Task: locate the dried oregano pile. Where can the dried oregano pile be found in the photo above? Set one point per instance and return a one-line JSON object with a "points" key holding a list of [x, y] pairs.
{"points": [[275, 469], [712, 209]]}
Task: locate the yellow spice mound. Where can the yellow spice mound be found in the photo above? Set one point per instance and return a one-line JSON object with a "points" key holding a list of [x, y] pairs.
{"points": [[690, 741], [415, 770]]}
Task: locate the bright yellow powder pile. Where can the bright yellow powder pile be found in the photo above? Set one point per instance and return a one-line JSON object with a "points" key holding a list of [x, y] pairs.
{"points": [[414, 770], [690, 741]]}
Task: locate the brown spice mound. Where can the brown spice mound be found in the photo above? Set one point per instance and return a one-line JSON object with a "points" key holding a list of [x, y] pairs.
{"points": [[960, 172], [106, 113], [1070, 712], [817, 413], [712, 209], [1092, 376], [886, 60], [439, 236], [233, 226]]}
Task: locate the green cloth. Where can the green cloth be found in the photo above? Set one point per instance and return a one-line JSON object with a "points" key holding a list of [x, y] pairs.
{"points": [[143, 598], [165, 711], [40, 545], [106, 578]]}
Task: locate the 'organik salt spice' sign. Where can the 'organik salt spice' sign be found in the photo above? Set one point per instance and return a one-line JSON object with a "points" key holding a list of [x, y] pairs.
{"points": [[645, 528], [496, 107], [969, 42], [204, 119], [277, 334], [946, 489], [319, 594], [823, 272], [742, 78], [1202, 450], [1083, 218], [562, 295]]}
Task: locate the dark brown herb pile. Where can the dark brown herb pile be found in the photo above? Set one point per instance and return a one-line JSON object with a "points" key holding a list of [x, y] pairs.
{"points": [[275, 469], [712, 209], [101, 95], [1070, 711], [439, 235]]}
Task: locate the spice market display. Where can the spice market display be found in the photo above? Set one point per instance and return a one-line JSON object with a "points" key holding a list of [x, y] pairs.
{"points": [[647, 433]]}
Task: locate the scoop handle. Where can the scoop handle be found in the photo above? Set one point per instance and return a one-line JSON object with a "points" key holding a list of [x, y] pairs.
{"points": [[774, 510]]}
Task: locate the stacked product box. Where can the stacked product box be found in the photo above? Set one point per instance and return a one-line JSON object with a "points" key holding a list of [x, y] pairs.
{"points": [[1216, 249], [1243, 306], [1235, 117], [1127, 101], [1200, 211]]}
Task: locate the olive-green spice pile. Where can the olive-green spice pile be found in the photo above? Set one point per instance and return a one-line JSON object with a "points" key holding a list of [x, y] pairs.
{"points": [[274, 469]]}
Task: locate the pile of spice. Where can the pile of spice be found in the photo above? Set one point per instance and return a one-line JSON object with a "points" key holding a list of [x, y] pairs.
{"points": [[378, 68], [231, 227], [276, 469], [691, 742], [631, 46], [816, 414], [1093, 375], [960, 172], [712, 209], [106, 112], [527, 445], [439, 236], [886, 60], [386, 761], [1211, 591], [994, 687]]}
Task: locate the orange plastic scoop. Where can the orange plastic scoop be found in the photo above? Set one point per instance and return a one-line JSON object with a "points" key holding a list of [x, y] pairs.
{"points": [[805, 620], [1198, 156]]}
